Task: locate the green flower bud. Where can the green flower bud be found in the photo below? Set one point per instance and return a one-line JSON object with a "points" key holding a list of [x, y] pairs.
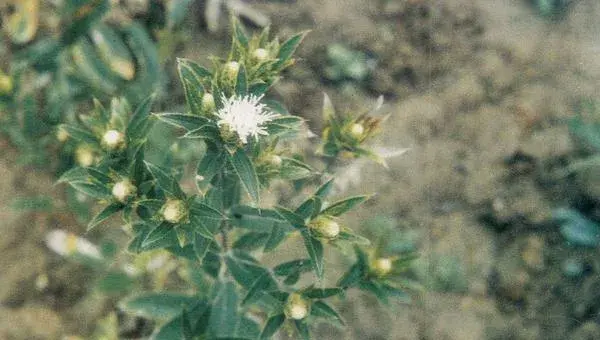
{"points": [[357, 130], [84, 156], [381, 266], [260, 54], [174, 211], [62, 135], [296, 307], [208, 102], [113, 140], [231, 69], [6, 84], [325, 227], [123, 190], [275, 161]]}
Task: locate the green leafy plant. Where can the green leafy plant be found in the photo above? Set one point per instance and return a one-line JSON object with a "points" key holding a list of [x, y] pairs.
{"points": [[221, 226], [81, 52]]}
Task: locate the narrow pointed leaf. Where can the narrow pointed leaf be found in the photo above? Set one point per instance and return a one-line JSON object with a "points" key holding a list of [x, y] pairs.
{"points": [[276, 236], [104, 214], [323, 310], [164, 180], [192, 85], [325, 189], [182, 120], [293, 218], [141, 122], [302, 328], [271, 327], [344, 205], [224, 318], [311, 207], [201, 246], [157, 305], [241, 84], [211, 164], [161, 234], [315, 251], [246, 173], [288, 48], [321, 293]]}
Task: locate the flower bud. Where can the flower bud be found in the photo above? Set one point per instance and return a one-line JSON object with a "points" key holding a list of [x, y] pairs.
{"points": [[275, 160], [381, 266], [6, 84], [123, 190], [260, 54], [296, 307], [84, 156], [325, 227], [173, 211], [231, 69], [357, 130], [62, 135], [113, 140], [208, 102]]}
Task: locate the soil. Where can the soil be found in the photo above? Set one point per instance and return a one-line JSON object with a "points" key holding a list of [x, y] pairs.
{"points": [[480, 91]]}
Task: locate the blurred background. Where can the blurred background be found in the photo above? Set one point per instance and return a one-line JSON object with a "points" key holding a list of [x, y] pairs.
{"points": [[499, 192]]}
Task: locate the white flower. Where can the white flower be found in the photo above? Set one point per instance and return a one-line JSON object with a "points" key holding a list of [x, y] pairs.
{"points": [[245, 116], [66, 244]]}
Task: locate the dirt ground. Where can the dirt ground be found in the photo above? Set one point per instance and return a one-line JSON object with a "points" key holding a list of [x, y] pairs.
{"points": [[480, 91]]}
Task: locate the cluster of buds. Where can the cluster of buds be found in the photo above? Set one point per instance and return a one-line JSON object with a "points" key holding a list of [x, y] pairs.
{"points": [[174, 211], [231, 70], [296, 307]]}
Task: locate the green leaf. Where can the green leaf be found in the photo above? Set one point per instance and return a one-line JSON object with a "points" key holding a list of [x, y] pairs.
{"points": [[251, 241], [191, 77], [211, 164], [352, 276], [168, 331], [163, 235], [293, 169], [288, 48], [201, 246], [325, 189], [302, 328], [315, 251], [294, 219], [205, 219], [344, 205], [115, 282], [348, 235], [80, 134], [140, 123], [283, 125], [288, 268], [310, 208], [277, 235], [92, 188], [321, 293], [241, 84], [148, 68], [113, 51], [165, 181], [104, 214], [209, 132], [322, 310], [157, 305], [82, 15], [271, 327], [224, 319], [238, 33], [246, 173], [246, 272], [181, 120], [261, 284]]}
